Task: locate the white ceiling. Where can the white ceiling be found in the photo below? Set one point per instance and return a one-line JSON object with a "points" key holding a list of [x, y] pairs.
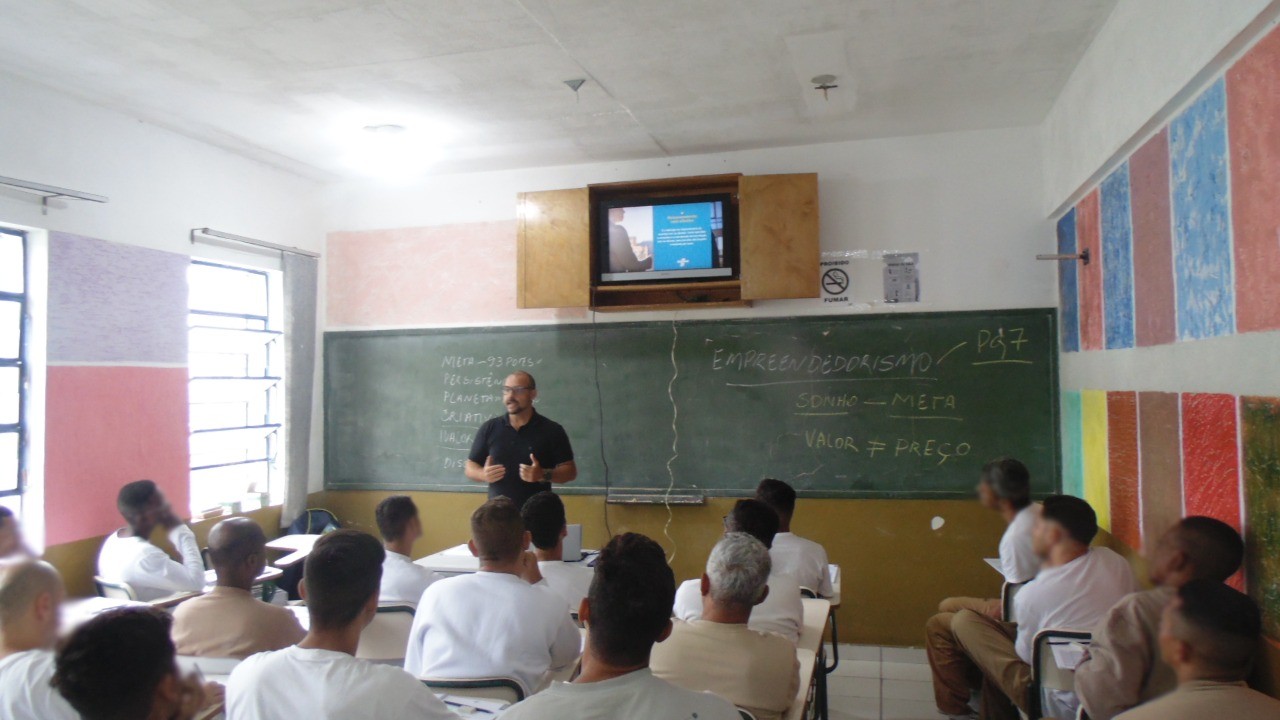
{"points": [[291, 82]]}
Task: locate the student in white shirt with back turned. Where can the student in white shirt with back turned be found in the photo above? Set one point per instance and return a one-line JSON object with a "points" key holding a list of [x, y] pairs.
{"points": [[320, 677], [1005, 487], [1075, 588], [495, 622], [128, 556], [544, 518], [400, 527], [30, 595], [781, 613], [627, 611], [805, 560]]}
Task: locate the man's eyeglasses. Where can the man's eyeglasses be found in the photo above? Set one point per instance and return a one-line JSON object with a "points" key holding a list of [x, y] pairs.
{"points": [[517, 390]]}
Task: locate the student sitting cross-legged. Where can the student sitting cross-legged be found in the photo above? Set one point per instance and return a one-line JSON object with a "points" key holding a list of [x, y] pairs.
{"points": [[320, 677], [121, 665], [1074, 589], [781, 612], [498, 622], [228, 621], [1123, 667], [1209, 635], [128, 556], [544, 518], [627, 611], [400, 526], [30, 595], [804, 560], [718, 653]]}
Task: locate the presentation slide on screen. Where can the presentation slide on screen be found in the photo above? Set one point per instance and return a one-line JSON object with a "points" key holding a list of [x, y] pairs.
{"points": [[666, 237]]}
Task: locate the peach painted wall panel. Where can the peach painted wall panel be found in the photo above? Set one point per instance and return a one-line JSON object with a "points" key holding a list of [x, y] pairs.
{"points": [[1122, 468], [1160, 461], [107, 426], [442, 275], [1089, 237]]}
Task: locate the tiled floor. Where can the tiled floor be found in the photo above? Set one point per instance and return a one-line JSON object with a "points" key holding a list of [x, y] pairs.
{"points": [[874, 683]]}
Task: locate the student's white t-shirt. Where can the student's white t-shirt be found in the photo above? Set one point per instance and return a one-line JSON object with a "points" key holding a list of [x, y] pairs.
{"points": [[635, 696], [490, 624], [1075, 596], [781, 613], [148, 569], [323, 684], [25, 692], [402, 581], [804, 560], [571, 581], [1018, 561]]}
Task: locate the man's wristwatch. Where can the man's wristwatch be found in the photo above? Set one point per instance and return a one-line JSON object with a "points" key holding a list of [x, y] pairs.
{"points": [[546, 474]]}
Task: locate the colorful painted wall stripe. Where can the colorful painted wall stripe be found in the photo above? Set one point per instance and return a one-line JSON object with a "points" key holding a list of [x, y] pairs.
{"points": [[1183, 234]]}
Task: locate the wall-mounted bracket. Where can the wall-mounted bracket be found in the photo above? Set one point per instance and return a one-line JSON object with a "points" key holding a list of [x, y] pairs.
{"points": [[1082, 256]]}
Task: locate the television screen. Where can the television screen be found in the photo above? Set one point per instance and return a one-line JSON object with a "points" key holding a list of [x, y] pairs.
{"points": [[681, 238]]}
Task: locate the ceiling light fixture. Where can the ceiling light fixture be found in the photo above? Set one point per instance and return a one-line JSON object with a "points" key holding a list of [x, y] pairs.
{"points": [[575, 85], [389, 151], [824, 83]]}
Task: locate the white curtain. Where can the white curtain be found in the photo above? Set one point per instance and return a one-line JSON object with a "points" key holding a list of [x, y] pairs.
{"points": [[301, 274]]}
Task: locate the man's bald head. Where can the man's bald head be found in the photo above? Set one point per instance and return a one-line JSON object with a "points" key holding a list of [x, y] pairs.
{"points": [[236, 550], [29, 589]]}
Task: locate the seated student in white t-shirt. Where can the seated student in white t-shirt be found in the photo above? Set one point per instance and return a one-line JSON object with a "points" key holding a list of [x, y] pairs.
{"points": [[128, 556], [1074, 589], [805, 560], [30, 595], [627, 611], [320, 677], [544, 518], [400, 527], [499, 621], [781, 613]]}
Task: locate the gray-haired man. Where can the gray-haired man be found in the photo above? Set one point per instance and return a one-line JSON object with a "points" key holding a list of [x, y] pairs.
{"points": [[718, 653]]}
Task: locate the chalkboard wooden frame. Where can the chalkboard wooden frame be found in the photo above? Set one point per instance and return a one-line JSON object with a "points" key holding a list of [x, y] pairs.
{"points": [[959, 482]]}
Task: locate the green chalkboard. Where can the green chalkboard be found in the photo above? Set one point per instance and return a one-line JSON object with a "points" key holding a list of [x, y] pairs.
{"points": [[898, 405]]}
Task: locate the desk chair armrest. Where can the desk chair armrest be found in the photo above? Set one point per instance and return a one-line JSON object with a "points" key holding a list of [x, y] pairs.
{"points": [[1044, 667], [503, 684], [1007, 593], [398, 608]]}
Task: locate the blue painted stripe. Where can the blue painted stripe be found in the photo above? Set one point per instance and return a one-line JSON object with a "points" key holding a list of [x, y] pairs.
{"points": [[1068, 285], [1117, 259], [1202, 217]]}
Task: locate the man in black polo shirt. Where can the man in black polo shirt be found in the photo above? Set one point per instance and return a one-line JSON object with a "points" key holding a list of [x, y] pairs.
{"points": [[522, 453]]}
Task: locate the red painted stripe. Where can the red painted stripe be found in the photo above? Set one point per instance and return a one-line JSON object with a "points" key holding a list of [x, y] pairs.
{"points": [[1211, 458], [1122, 445], [106, 426], [1253, 109], [1088, 235], [1155, 309]]}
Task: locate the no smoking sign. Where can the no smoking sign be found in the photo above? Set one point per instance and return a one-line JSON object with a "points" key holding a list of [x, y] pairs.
{"points": [[835, 282]]}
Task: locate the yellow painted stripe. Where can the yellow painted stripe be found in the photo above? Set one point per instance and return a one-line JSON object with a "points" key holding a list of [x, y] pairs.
{"points": [[1096, 485]]}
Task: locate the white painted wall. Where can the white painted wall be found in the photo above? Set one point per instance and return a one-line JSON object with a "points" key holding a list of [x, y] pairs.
{"points": [[161, 184], [969, 202], [1141, 61]]}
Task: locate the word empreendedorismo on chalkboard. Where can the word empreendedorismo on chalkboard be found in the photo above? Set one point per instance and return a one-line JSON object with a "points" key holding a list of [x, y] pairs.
{"points": [[899, 405]]}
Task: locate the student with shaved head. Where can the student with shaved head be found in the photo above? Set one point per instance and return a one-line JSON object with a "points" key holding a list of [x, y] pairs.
{"points": [[1123, 668], [30, 596], [1209, 635], [228, 621], [501, 621]]}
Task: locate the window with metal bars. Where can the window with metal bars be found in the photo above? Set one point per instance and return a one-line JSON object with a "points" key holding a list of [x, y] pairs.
{"points": [[236, 393], [14, 375]]}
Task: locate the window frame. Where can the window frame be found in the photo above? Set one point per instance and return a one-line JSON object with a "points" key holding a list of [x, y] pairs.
{"points": [[24, 370], [273, 432]]}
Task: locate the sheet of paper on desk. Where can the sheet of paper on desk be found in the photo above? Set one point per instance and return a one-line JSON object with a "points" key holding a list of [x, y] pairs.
{"points": [[457, 551], [995, 564], [1068, 655], [834, 572], [473, 707]]}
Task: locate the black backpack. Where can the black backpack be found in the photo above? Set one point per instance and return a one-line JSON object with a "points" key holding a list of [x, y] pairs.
{"points": [[315, 521]]}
